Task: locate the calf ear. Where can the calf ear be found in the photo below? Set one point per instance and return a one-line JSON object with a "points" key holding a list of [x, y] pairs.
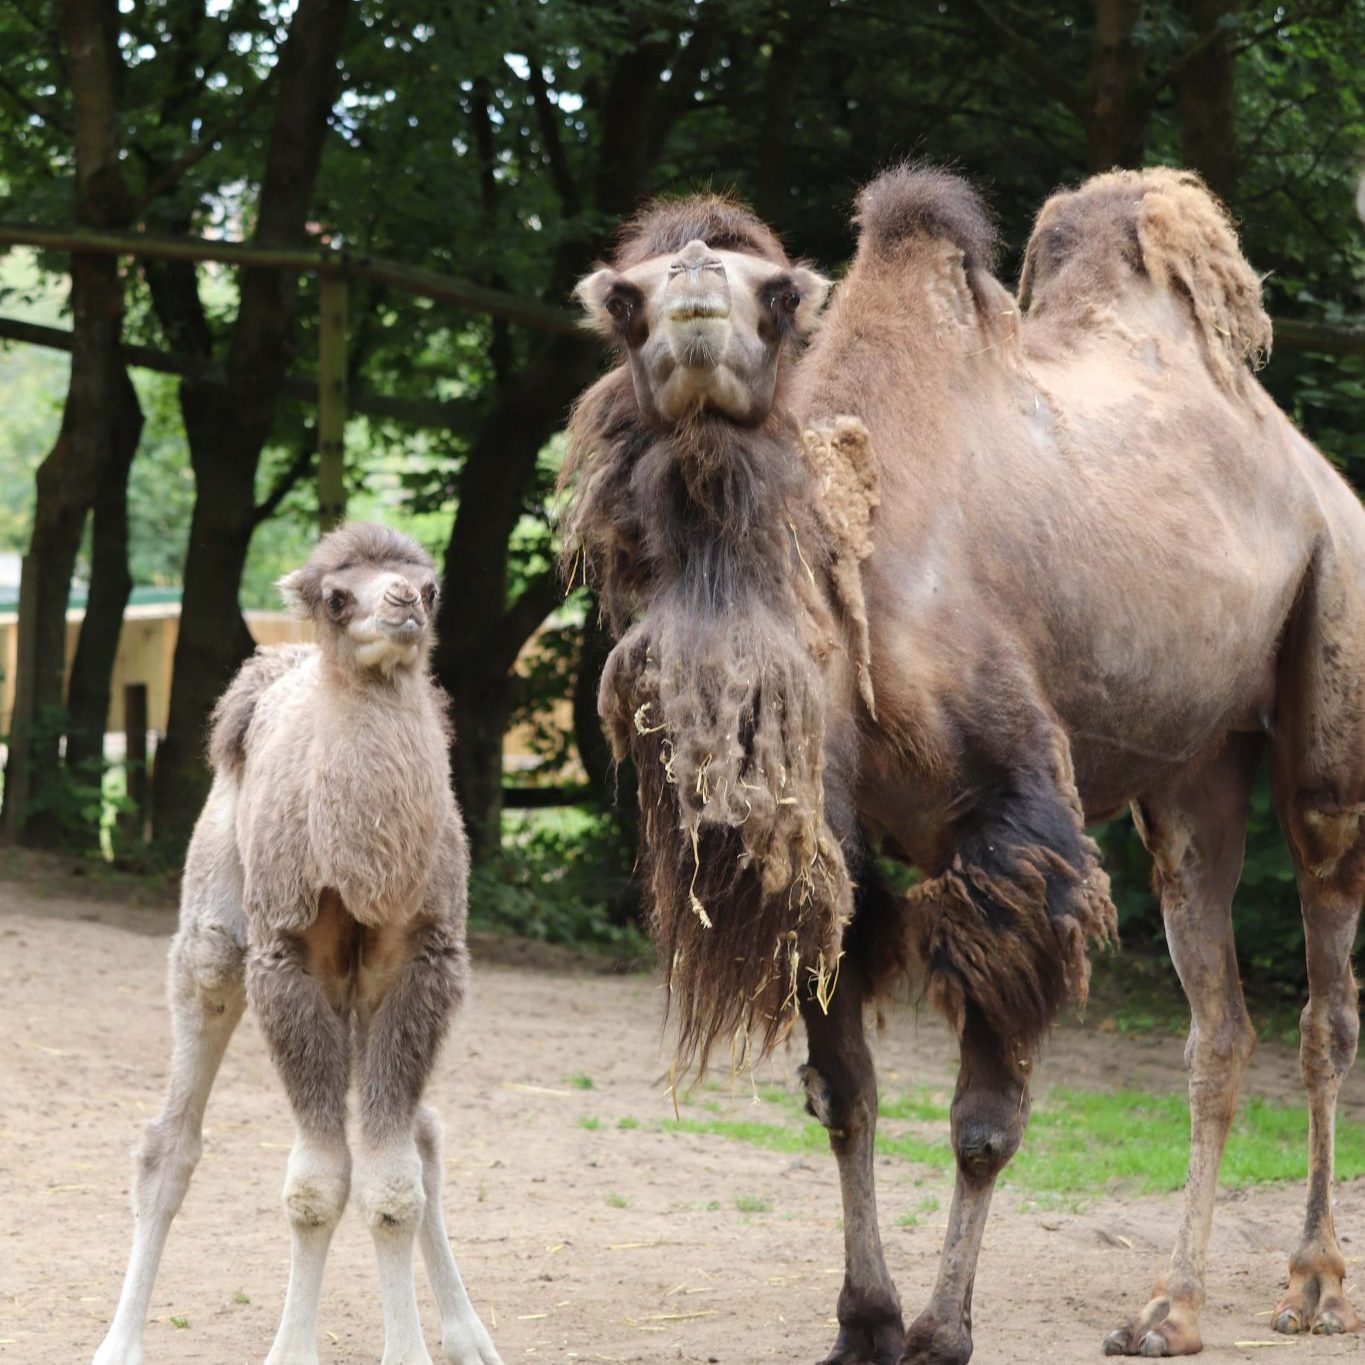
{"points": [[814, 290], [300, 591], [591, 294]]}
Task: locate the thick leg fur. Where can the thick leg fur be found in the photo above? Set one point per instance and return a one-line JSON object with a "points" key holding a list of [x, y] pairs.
{"points": [[1004, 928]]}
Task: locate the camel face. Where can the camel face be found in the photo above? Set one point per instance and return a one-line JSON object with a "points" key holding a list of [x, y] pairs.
{"points": [[373, 603], [383, 614], [704, 330]]}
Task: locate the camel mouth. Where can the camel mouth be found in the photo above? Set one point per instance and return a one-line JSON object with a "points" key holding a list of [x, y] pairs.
{"points": [[698, 308], [404, 631]]}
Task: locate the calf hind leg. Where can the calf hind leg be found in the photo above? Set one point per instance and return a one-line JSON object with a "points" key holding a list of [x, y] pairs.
{"points": [[464, 1341], [206, 1003], [1329, 852]]}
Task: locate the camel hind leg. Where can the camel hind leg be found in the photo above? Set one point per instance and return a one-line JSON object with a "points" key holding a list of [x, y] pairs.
{"points": [[1319, 788], [1196, 834], [207, 997]]}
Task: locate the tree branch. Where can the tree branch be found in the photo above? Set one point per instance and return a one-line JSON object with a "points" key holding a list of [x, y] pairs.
{"points": [[297, 468], [1026, 56], [520, 621]]}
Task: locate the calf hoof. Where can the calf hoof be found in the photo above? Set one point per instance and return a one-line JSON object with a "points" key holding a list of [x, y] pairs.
{"points": [[931, 1342], [873, 1344]]}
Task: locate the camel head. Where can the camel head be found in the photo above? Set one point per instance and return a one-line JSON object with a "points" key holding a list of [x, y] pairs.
{"points": [[371, 593], [704, 304]]}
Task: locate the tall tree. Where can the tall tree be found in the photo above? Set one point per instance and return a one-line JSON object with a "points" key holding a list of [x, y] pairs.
{"points": [[229, 420], [99, 431]]}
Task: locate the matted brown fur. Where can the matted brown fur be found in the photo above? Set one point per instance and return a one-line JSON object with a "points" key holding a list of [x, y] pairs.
{"points": [[1164, 222], [717, 695]]}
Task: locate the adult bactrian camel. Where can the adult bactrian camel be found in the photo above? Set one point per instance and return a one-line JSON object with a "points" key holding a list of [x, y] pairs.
{"points": [[326, 882], [1104, 570]]}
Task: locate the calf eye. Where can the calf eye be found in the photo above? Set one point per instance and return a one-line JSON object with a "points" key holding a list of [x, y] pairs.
{"points": [[789, 302], [429, 595], [617, 307], [337, 600]]}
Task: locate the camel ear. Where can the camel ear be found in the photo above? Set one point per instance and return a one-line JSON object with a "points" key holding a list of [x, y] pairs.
{"points": [[299, 591], [814, 290], [591, 295]]}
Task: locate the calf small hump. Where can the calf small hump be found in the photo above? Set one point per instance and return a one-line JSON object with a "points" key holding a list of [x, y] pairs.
{"points": [[233, 714], [1162, 223]]}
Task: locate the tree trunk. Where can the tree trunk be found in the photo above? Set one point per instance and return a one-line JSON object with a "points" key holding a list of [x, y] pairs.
{"points": [[1116, 113], [479, 633], [228, 426], [1207, 96], [68, 477], [92, 668]]}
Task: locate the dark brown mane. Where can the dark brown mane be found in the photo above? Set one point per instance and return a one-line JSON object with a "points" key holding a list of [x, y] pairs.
{"points": [[665, 225], [707, 538], [911, 200]]}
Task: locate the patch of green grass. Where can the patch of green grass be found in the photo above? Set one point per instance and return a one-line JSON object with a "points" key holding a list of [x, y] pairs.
{"points": [[618, 1201], [1078, 1144], [178, 1322], [592, 1125], [749, 1204], [627, 1124], [579, 1082], [239, 1297]]}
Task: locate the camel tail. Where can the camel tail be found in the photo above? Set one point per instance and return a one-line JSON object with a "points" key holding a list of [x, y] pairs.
{"points": [[1168, 225], [912, 202], [233, 714]]}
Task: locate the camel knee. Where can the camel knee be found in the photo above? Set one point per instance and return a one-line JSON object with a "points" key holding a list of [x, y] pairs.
{"points": [[1216, 1054], [163, 1165], [389, 1187], [208, 970], [845, 1108], [316, 1185], [1329, 1031]]}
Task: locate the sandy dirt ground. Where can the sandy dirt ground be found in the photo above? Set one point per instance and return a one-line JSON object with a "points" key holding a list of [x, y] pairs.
{"points": [[578, 1244]]}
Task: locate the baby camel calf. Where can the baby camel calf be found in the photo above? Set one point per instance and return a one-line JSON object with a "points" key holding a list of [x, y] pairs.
{"points": [[326, 883]]}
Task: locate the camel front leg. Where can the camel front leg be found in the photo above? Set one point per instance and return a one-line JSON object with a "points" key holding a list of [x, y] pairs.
{"points": [[309, 1043], [402, 1033], [464, 1340], [989, 1114], [1328, 1033], [841, 1091], [207, 1000]]}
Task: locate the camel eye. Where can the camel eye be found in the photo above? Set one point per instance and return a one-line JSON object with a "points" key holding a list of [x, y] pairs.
{"points": [[429, 595], [790, 301], [617, 307], [337, 600]]}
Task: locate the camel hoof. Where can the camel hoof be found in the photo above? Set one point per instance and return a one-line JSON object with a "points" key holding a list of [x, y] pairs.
{"points": [[1116, 1343], [1289, 1322], [1154, 1344]]}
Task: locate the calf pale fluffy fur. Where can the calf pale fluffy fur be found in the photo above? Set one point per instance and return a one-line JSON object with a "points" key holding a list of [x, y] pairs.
{"points": [[326, 883]]}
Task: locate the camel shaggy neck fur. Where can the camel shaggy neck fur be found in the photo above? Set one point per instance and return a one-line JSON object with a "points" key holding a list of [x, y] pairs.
{"points": [[1103, 570], [326, 882]]}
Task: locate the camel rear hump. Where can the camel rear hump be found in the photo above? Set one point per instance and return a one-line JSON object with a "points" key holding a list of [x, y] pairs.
{"points": [[1088, 243]]}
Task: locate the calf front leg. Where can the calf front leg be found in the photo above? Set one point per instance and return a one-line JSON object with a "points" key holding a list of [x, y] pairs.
{"points": [[308, 1037], [841, 1091], [403, 1030]]}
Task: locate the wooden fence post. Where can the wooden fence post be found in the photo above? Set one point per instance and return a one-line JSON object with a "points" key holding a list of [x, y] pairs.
{"points": [[331, 399], [133, 821]]}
